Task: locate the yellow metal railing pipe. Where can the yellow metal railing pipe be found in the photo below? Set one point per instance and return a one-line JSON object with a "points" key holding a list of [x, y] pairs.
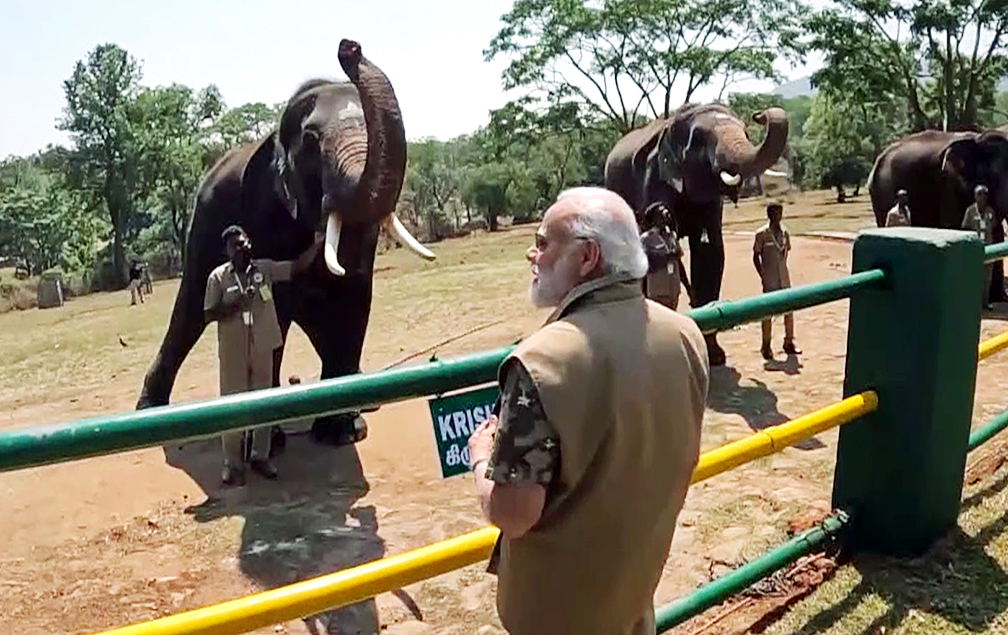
{"points": [[364, 581], [776, 438], [990, 346], [323, 593]]}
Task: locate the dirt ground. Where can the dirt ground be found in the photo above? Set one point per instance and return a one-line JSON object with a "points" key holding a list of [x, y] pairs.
{"points": [[100, 543]]}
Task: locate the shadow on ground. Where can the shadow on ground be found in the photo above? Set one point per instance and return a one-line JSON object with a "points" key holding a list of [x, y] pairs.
{"points": [[757, 404], [956, 579], [304, 524]]}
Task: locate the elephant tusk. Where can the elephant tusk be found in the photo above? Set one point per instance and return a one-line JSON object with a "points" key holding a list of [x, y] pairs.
{"points": [[332, 244], [775, 174], [729, 179], [404, 238]]}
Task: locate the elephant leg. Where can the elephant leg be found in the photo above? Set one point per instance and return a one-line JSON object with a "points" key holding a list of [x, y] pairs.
{"points": [[278, 437], [707, 259], [335, 322], [184, 329]]}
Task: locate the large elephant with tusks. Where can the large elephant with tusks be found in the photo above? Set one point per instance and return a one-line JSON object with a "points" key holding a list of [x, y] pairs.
{"points": [[689, 160], [334, 163]]}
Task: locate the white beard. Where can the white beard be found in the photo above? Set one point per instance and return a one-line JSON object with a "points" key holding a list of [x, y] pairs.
{"points": [[549, 287]]}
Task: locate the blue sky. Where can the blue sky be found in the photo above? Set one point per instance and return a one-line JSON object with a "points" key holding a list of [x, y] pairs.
{"points": [[430, 49]]}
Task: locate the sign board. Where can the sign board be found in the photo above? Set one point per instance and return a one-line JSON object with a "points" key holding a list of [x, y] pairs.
{"points": [[455, 418]]}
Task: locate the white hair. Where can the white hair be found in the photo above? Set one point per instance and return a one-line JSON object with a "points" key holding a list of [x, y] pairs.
{"points": [[603, 216]]}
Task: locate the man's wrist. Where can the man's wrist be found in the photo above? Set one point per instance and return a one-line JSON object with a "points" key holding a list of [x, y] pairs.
{"points": [[475, 464]]}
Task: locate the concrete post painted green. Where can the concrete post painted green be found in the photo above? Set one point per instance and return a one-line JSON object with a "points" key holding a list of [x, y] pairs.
{"points": [[900, 470]]}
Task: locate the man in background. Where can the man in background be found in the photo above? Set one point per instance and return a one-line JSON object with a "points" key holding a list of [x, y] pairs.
{"points": [[771, 247], [899, 215], [586, 465], [979, 217], [239, 297]]}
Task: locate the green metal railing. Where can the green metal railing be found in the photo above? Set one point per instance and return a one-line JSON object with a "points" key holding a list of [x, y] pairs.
{"points": [[994, 252], [986, 433], [123, 432], [717, 591]]}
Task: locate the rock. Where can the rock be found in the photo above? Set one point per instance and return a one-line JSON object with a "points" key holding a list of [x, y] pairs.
{"points": [[410, 627]]}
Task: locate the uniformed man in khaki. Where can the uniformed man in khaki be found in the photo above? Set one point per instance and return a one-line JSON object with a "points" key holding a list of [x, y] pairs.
{"points": [[899, 215], [586, 464], [239, 297], [661, 244], [979, 217], [771, 247]]}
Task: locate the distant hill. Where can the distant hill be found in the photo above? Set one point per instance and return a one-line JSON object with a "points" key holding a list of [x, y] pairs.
{"points": [[802, 87]]}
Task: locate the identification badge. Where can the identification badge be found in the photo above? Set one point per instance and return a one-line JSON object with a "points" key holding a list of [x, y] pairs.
{"points": [[247, 317], [265, 293]]}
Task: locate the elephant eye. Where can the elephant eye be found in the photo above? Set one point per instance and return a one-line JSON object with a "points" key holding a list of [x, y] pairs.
{"points": [[310, 137]]}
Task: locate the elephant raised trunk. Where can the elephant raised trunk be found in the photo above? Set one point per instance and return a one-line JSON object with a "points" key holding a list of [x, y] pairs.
{"points": [[372, 170], [738, 158]]}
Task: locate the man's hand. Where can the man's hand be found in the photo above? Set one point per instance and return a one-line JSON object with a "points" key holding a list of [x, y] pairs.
{"points": [[481, 441]]}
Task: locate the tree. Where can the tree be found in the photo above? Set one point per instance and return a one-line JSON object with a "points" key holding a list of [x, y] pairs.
{"points": [[941, 58], [174, 126], [619, 59], [106, 162], [838, 144]]}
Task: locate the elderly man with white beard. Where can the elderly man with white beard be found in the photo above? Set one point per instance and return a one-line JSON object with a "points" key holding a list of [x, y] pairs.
{"points": [[585, 466]]}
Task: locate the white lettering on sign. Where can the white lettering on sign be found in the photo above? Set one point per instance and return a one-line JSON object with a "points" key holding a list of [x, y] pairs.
{"points": [[454, 456], [444, 427], [461, 423]]}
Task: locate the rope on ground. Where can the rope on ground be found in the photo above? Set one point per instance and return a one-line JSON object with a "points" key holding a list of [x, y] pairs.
{"points": [[442, 343]]}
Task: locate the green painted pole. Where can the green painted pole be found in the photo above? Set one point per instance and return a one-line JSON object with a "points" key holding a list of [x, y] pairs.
{"points": [[992, 427], [97, 436], [717, 591], [153, 426], [995, 252], [899, 470], [720, 316]]}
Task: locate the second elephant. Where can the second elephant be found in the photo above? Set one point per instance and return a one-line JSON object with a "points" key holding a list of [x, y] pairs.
{"points": [[689, 160]]}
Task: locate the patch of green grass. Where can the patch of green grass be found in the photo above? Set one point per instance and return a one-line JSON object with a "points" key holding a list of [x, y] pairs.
{"points": [[959, 586]]}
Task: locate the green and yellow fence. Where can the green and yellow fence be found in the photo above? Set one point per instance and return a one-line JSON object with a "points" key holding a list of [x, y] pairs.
{"points": [[912, 353]]}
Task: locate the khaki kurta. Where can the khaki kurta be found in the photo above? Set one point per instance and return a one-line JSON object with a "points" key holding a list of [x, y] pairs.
{"points": [[773, 250], [895, 219], [246, 340], [983, 224], [662, 280]]}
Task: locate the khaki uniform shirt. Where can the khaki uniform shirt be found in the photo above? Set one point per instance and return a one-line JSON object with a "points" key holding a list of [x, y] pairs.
{"points": [[773, 250], [895, 219], [980, 222], [247, 339]]}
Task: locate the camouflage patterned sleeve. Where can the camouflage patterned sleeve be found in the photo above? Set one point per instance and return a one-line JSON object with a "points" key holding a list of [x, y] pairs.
{"points": [[526, 447]]}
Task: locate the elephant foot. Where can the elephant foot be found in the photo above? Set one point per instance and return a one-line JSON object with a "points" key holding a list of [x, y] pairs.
{"points": [[715, 354], [145, 402], [343, 429], [278, 441]]}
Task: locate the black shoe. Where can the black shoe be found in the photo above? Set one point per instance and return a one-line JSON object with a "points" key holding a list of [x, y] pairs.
{"points": [[791, 348], [232, 476], [263, 468]]}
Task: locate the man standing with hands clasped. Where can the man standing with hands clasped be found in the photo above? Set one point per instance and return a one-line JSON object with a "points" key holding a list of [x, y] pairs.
{"points": [[239, 296], [586, 465], [771, 247]]}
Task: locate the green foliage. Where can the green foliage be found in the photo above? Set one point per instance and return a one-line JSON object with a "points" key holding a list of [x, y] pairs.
{"points": [[617, 60], [940, 60]]}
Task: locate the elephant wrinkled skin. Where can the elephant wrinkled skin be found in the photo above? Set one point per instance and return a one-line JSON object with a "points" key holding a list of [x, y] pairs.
{"points": [[334, 163], [688, 161], [939, 171]]}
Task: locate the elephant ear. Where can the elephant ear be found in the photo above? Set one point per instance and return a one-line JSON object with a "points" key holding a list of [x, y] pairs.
{"points": [[666, 158], [993, 155], [268, 167], [959, 160]]}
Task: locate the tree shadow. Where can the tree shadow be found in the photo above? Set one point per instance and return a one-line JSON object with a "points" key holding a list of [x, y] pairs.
{"points": [[955, 579], [304, 524], [790, 366], [756, 404]]}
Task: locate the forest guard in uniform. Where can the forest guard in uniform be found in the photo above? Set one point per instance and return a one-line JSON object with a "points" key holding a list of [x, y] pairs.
{"points": [[771, 247], [239, 297]]}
